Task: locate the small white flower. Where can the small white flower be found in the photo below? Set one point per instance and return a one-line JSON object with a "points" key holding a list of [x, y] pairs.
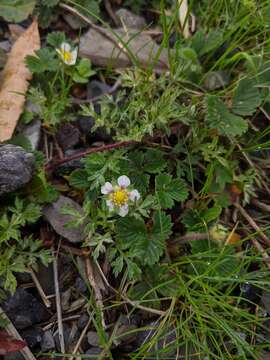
{"points": [[118, 196], [68, 55]]}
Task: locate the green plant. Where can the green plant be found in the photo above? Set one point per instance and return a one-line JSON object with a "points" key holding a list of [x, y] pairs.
{"points": [[56, 69], [19, 252]]}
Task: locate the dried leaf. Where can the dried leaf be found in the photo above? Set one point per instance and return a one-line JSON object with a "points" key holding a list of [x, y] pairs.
{"points": [[9, 344], [15, 79], [183, 18]]}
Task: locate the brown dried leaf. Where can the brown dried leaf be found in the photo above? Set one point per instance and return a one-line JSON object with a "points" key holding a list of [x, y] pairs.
{"points": [[15, 79]]}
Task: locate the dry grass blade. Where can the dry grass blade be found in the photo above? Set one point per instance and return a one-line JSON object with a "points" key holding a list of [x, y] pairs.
{"points": [[15, 79], [183, 18]]}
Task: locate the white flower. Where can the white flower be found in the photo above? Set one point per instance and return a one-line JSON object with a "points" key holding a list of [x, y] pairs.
{"points": [[118, 196], [68, 55]]}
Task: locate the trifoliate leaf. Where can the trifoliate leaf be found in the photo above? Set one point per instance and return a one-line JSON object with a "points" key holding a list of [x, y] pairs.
{"points": [[45, 60], [154, 161], [246, 98], [56, 38], [169, 190], [16, 10], [219, 118]]}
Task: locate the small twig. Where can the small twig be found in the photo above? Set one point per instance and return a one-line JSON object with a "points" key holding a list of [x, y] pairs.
{"points": [[11, 330], [82, 154], [101, 30], [58, 306], [191, 237], [95, 287], [260, 205], [112, 15], [40, 289], [68, 318], [78, 344], [252, 223], [115, 86], [144, 308]]}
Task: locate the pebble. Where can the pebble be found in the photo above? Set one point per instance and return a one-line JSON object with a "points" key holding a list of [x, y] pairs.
{"points": [[32, 133], [16, 168], [68, 136], [53, 214], [48, 342], [24, 309], [130, 20], [33, 337]]}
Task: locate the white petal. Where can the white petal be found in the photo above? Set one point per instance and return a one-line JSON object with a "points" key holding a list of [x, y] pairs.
{"points": [[123, 210], [107, 188], [134, 195], [123, 181], [65, 47], [74, 54], [110, 205]]}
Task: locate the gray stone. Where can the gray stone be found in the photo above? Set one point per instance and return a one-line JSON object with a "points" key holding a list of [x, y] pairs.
{"points": [[16, 168], [24, 309], [130, 20], [32, 133], [93, 352], [82, 321], [81, 285], [103, 52], [68, 136], [5, 45], [48, 342], [97, 88], [265, 300], [93, 338], [53, 213], [33, 337]]}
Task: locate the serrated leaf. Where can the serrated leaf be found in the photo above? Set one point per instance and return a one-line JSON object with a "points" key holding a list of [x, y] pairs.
{"points": [[197, 220], [154, 161], [169, 190], [79, 179], [246, 98], [16, 10], [44, 60], [56, 38], [219, 118]]}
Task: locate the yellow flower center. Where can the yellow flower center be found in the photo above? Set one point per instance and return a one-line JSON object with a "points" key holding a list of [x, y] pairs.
{"points": [[119, 197], [67, 56]]}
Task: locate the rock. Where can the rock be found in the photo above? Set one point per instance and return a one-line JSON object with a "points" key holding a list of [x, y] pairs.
{"points": [[93, 351], [103, 52], [14, 356], [93, 338], [82, 321], [5, 45], [24, 309], [97, 88], [80, 285], [32, 133], [216, 79], [53, 213], [71, 165], [32, 108], [68, 136], [48, 342], [130, 20], [45, 277], [23, 277], [265, 300], [66, 331], [33, 337], [250, 292], [86, 124], [16, 168]]}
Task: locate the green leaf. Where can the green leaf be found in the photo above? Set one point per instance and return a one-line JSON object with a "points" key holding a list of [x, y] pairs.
{"points": [[219, 118], [44, 60], [56, 38], [84, 68], [246, 98], [169, 190], [88, 7], [198, 220], [16, 10], [154, 161], [79, 179]]}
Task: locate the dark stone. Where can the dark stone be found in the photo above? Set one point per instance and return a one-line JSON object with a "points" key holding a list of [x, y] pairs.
{"points": [[250, 292], [48, 342], [53, 213], [82, 321], [71, 165], [16, 168], [93, 338], [14, 356], [80, 285], [86, 124], [265, 300], [68, 136], [33, 337], [93, 351], [45, 277], [23, 277], [24, 309], [97, 88]]}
